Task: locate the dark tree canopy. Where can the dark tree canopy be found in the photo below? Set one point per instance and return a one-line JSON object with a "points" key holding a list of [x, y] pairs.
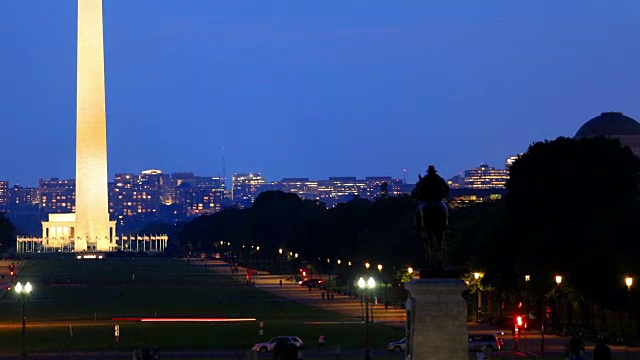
{"points": [[571, 209], [572, 206], [7, 233]]}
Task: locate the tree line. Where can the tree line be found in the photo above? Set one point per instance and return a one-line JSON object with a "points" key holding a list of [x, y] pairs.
{"points": [[571, 209]]}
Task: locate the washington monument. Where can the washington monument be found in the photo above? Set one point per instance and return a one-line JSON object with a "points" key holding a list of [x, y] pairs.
{"points": [[93, 230], [89, 228]]}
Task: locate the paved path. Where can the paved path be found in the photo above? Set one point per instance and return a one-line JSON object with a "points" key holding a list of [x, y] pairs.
{"points": [[529, 343], [347, 305]]}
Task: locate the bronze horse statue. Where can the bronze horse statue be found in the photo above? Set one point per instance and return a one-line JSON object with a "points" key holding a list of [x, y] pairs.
{"points": [[431, 220]]}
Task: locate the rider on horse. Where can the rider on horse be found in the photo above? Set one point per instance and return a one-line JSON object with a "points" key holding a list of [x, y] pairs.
{"points": [[432, 219], [431, 189]]}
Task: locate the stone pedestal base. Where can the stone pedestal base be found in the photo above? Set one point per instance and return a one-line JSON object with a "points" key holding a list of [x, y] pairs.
{"points": [[436, 320]]}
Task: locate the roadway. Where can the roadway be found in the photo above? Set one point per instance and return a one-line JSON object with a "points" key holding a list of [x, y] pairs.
{"points": [[530, 342]]}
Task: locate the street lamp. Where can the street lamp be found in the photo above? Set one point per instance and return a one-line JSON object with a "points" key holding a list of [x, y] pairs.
{"points": [[628, 281], [24, 293], [527, 278], [477, 276], [369, 284], [558, 282], [410, 270], [380, 267], [367, 265]]}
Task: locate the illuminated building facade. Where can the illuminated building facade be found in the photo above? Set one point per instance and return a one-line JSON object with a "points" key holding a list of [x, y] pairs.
{"points": [[127, 198], [456, 182], [23, 197], [199, 195], [485, 177], [245, 188], [378, 186], [510, 160], [303, 187], [4, 195], [339, 189], [57, 196], [155, 185]]}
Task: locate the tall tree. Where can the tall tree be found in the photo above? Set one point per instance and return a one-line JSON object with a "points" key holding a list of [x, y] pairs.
{"points": [[7, 233], [572, 208]]}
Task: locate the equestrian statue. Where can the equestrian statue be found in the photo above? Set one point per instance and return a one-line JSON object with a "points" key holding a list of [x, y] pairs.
{"points": [[432, 221]]}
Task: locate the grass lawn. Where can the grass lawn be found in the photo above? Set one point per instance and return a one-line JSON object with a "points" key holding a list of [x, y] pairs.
{"points": [[87, 294]]}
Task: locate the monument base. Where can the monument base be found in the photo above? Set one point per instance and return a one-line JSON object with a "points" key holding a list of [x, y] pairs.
{"points": [[436, 320]]}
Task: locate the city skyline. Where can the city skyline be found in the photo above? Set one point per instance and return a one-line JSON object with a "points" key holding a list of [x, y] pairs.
{"points": [[268, 179], [292, 90]]}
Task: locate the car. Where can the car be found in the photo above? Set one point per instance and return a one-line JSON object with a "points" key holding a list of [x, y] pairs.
{"points": [[478, 341], [397, 346], [311, 282], [267, 346]]}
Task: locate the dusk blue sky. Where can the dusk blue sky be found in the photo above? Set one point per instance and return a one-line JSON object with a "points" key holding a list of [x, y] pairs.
{"points": [[314, 88]]}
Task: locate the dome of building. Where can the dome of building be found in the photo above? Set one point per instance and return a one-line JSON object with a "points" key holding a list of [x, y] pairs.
{"points": [[609, 124]]}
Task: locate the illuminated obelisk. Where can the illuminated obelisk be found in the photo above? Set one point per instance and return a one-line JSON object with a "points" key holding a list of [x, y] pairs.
{"points": [[93, 230]]}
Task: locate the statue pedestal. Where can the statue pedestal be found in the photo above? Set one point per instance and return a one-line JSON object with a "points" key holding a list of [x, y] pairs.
{"points": [[436, 320]]}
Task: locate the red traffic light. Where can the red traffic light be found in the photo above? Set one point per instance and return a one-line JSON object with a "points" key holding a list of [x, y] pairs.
{"points": [[519, 321]]}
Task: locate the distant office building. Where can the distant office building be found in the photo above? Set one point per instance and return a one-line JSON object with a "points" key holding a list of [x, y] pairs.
{"points": [[510, 160], [139, 194], [124, 197], [156, 184], [199, 194], [4, 195], [23, 197], [245, 188], [485, 177], [460, 197], [456, 182], [57, 196], [303, 187], [378, 186], [341, 189]]}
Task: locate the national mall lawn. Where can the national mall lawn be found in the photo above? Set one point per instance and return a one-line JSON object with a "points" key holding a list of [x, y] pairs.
{"points": [[74, 301]]}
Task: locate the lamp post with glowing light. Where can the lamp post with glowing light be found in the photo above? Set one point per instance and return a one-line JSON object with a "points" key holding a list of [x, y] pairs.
{"points": [[558, 282], [24, 292], [628, 281], [477, 276], [364, 286], [385, 285], [527, 279]]}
